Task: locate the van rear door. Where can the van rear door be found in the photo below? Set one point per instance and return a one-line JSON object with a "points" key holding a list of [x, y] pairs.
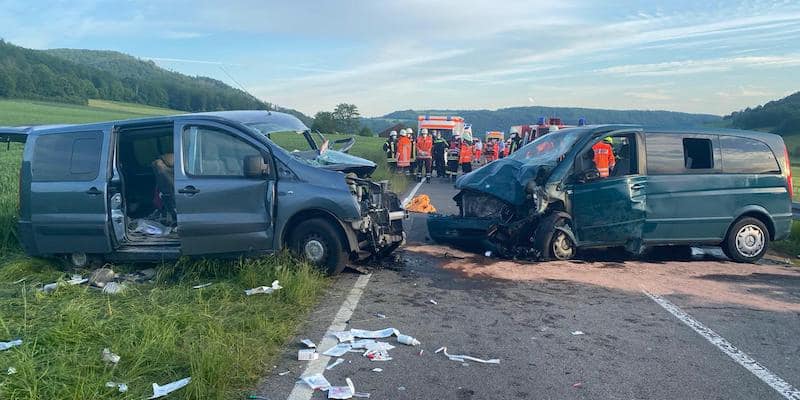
{"points": [[68, 205]]}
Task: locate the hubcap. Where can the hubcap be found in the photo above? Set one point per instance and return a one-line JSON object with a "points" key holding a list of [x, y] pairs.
{"points": [[314, 250], [750, 240], [562, 247]]}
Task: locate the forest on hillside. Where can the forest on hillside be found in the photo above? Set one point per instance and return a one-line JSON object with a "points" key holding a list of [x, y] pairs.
{"points": [[778, 116]]}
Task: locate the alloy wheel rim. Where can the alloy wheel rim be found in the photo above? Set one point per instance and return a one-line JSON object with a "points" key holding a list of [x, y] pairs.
{"points": [[314, 250]]}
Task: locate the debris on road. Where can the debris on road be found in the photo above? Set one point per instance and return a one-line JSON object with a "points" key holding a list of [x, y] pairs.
{"points": [[316, 382], [379, 315], [408, 340], [577, 333], [577, 385], [205, 285], [309, 343], [109, 357], [342, 392], [463, 358], [161, 391], [383, 333], [284, 373], [114, 288], [361, 395], [338, 350], [8, 345], [11, 371], [264, 289], [334, 364], [421, 204], [377, 370], [488, 253], [307, 355], [434, 302], [121, 387]]}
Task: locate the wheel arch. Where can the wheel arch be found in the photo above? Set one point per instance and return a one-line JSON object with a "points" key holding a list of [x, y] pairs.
{"points": [[347, 237], [758, 213]]}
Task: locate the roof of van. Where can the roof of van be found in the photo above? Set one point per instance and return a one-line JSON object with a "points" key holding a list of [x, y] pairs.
{"points": [[682, 130]]}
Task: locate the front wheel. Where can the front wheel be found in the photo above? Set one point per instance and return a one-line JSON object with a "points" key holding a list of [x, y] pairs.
{"points": [[747, 241], [318, 242], [561, 245]]}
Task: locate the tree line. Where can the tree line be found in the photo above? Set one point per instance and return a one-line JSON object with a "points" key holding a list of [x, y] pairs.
{"points": [[345, 118], [779, 116]]}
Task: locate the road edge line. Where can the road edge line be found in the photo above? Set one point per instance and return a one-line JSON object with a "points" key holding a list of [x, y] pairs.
{"points": [[784, 388], [339, 323]]}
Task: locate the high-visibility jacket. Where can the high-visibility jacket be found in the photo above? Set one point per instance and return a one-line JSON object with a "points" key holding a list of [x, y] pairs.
{"points": [[493, 152], [516, 143], [452, 152], [506, 149], [465, 154], [424, 146], [413, 148], [403, 151], [439, 146], [604, 158], [390, 148]]}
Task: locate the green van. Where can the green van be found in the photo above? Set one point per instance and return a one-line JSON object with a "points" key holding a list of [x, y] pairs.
{"points": [[667, 187]]}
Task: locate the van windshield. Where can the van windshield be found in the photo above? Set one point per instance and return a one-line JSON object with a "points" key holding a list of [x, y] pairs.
{"points": [[549, 149]]}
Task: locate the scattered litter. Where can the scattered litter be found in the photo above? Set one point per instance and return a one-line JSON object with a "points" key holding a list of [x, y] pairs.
{"points": [[343, 336], [378, 346], [335, 363], [378, 356], [308, 343], [401, 388], [577, 385], [383, 333], [101, 276], [577, 333], [108, 356], [379, 315], [8, 345], [148, 227], [316, 382], [257, 397], [463, 358], [284, 373], [264, 289], [114, 288], [342, 392], [421, 351], [362, 344], [205, 285], [488, 253], [76, 280], [120, 386], [432, 301], [338, 350], [361, 395], [161, 391], [377, 370], [307, 355], [11, 371], [405, 339]]}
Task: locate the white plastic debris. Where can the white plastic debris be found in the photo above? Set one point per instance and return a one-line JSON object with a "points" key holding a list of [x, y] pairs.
{"points": [[121, 387], [463, 358], [577, 333], [76, 280], [488, 253], [343, 336], [334, 364], [383, 333], [114, 288], [377, 370], [362, 344], [108, 356], [379, 315], [11, 371], [338, 350], [264, 289], [316, 382], [284, 373], [309, 343], [8, 345], [205, 285], [405, 339], [362, 395], [342, 392], [307, 355], [432, 301], [161, 391]]}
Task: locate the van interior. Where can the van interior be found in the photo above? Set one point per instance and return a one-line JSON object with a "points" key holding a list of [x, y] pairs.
{"points": [[145, 163]]}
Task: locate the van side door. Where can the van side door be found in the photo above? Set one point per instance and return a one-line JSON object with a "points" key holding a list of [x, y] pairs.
{"points": [[609, 211], [68, 191], [220, 210]]}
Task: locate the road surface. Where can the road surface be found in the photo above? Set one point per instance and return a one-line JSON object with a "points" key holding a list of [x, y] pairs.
{"points": [[607, 328]]}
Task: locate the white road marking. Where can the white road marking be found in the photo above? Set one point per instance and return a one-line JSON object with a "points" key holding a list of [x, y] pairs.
{"points": [[411, 194], [302, 391], [761, 372]]}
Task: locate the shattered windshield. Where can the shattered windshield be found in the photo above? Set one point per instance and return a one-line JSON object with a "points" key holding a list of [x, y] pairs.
{"points": [[548, 149]]}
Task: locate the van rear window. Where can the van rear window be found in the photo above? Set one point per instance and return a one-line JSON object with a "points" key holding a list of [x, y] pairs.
{"points": [[73, 156], [747, 156]]}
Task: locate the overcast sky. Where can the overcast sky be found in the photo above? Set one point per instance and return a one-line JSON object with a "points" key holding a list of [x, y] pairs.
{"points": [[695, 56]]}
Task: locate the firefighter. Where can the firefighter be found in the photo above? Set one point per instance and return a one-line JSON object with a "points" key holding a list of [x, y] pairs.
{"points": [[604, 158], [424, 154], [452, 157], [478, 150], [390, 148], [493, 151], [465, 155], [414, 163], [404, 153], [516, 143], [439, 158], [501, 151]]}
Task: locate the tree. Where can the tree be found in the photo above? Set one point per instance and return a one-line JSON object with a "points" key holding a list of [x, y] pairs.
{"points": [[324, 122], [347, 118], [365, 131]]}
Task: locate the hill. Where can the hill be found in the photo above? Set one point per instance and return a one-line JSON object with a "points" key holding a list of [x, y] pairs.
{"points": [[502, 119], [778, 116]]}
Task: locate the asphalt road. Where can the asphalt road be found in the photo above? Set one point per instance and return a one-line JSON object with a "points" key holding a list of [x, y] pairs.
{"points": [[525, 314]]}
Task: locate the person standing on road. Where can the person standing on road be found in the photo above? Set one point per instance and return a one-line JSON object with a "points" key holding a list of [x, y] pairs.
{"points": [[439, 149], [452, 157], [390, 148], [501, 148], [424, 154], [465, 156], [604, 158], [414, 161], [478, 150], [516, 143], [404, 153]]}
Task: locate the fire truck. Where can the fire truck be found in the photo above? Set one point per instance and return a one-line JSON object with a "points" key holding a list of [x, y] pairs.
{"points": [[448, 126]]}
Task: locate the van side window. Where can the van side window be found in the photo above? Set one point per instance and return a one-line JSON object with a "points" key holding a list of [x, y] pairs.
{"points": [[747, 156], [664, 154], [214, 152], [73, 156], [697, 153]]}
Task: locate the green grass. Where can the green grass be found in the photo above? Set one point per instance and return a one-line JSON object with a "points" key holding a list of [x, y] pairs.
{"points": [[25, 112]]}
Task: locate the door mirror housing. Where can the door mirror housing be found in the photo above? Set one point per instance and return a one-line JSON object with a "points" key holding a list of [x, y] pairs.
{"points": [[255, 167]]}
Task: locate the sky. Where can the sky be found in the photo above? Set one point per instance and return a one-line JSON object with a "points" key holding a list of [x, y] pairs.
{"points": [[694, 56]]}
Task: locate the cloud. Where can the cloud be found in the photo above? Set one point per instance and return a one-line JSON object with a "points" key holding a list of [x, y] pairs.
{"points": [[688, 67]]}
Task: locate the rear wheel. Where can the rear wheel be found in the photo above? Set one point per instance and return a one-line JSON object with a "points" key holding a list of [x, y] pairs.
{"points": [[747, 240], [318, 242]]}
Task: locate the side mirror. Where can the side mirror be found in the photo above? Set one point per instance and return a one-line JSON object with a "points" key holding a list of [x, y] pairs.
{"points": [[255, 167]]}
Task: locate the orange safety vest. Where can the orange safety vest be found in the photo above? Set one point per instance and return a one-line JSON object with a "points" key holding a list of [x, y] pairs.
{"points": [[424, 146], [604, 158], [403, 151], [465, 156]]}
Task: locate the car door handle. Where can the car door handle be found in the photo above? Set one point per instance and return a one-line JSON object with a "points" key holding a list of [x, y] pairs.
{"points": [[93, 191], [189, 190], [637, 186]]}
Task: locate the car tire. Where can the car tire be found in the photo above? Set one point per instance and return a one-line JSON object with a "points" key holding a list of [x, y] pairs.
{"points": [[561, 246], [747, 240], [317, 241]]}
